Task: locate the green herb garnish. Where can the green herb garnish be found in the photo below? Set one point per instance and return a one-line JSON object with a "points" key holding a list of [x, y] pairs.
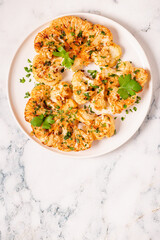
{"points": [[22, 80], [93, 73], [118, 63], [136, 71], [103, 33], [28, 75], [47, 122], [88, 43], [28, 69], [68, 135], [47, 63], [37, 121], [128, 86], [79, 34], [27, 95], [79, 92], [112, 75], [67, 61], [87, 95]]}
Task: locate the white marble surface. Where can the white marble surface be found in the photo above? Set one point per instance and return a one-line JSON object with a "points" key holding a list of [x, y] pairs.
{"points": [[116, 196]]}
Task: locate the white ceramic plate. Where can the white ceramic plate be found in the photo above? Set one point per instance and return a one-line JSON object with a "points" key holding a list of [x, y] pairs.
{"points": [[132, 51]]}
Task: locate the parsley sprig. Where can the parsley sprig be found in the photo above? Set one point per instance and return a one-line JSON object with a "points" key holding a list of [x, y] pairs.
{"points": [[67, 61], [42, 120], [128, 86]]}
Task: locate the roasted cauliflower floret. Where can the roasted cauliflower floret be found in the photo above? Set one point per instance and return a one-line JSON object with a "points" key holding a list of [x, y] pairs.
{"points": [[47, 41], [100, 126], [110, 77], [47, 70], [83, 41], [103, 126], [60, 92], [141, 75], [83, 87], [83, 139], [41, 91], [99, 99], [34, 107], [108, 56]]}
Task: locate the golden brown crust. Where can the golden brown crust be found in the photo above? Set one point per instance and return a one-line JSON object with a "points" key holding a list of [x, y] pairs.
{"points": [[47, 70], [83, 41]]}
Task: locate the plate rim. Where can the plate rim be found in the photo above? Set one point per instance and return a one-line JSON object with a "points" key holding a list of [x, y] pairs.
{"points": [[62, 153]]}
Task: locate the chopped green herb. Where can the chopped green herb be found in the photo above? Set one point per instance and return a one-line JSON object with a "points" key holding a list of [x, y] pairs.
{"points": [[90, 52], [27, 95], [51, 43], [72, 148], [103, 33], [118, 63], [68, 135], [91, 36], [134, 108], [104, 125], [127, 111], [97, 130], [90, 109], [29, 60], [93, 73], [22, 80], [79, 34], [63, 34], [58, 107], [87, 95], [72, 33], [125, 106], [122, 118], [104, 81], [47, 63], [115, 117], [136, 71], [27, 69], [94, 86], [79, 92], [88, 42], [112, 75], [103, 56], [28, 75]]}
